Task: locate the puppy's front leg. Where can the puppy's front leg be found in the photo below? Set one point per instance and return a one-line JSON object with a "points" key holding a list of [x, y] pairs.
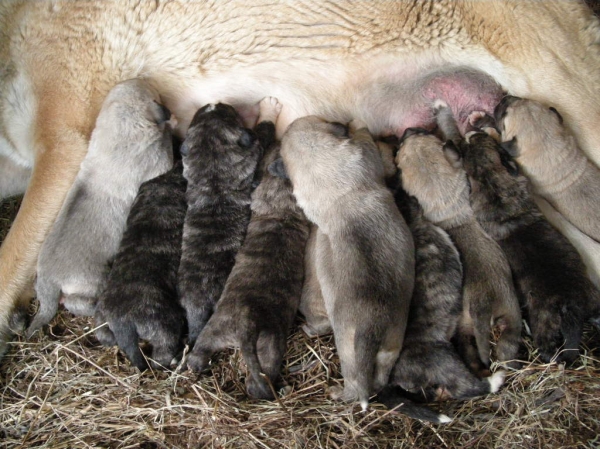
{"points": [[59, 155]]}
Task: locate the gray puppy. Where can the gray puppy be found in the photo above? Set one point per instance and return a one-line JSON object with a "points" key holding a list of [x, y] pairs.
{"points": [[432, 172], [550, 157], [139, 299], [220, 158], [547, 270], [262, 293], [130, 144], [365, 252], [429, 366]]}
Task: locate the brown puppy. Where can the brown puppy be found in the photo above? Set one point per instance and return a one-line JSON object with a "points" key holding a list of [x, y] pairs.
{"points": [[261, 296], [432, 172], [365, 253], [370, 60], [548, 272]]}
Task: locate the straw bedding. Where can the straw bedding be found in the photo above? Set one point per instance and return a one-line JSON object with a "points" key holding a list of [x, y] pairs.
{"points": [[65, 390]]}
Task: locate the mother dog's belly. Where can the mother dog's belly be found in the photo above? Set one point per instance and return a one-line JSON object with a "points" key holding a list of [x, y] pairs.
{"points": [[390, 93]]}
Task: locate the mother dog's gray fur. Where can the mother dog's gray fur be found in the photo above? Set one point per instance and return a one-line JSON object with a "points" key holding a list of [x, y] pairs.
{"points": [[432, 172], [261, 296], [365, 253], [130, 144]]}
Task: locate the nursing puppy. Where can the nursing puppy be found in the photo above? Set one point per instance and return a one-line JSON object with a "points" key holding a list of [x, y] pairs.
{"points": [[548, 153], [428, 366], [365, 252], [139, 298], [261, 296], [432, 172], [547, 270], [130, 144], [220, 158]]}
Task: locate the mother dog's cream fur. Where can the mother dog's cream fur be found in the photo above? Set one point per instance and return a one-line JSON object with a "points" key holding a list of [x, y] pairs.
{"points": [[59, 59]]}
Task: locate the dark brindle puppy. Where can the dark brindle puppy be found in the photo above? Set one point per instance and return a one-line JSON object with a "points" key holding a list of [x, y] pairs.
{"points": [[140, 299], [548, 272], [261, 296], [220, 158], [429, 366]]}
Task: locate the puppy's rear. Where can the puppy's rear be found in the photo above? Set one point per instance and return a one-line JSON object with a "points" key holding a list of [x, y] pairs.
{"points": [[365, 253]]}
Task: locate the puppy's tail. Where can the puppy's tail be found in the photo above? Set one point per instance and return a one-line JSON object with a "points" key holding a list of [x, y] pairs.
{"points": [[394, 397], [48, 295]]}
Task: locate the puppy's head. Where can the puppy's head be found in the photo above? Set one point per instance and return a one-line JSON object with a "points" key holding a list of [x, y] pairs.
{"points": [[528, 127], [324, 162], [432, 172], [217, 137]]}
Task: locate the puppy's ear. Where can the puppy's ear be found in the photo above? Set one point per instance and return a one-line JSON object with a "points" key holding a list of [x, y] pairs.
{"points": [[510, 146], [452, 154], [247, 139], [560, 119], [277, 168]]}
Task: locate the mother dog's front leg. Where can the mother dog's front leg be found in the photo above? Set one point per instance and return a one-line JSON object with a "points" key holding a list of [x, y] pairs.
{"points": [[59, 154]]}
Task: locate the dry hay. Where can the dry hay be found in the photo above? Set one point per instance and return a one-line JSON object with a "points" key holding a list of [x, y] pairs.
{"points": [[64, 390]]}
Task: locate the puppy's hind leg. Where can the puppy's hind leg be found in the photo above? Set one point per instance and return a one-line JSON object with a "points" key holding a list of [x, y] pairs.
{"points": [[271, 349], [104, 335], [214, 337], [127, 338], [256, 386], [48, 295]]}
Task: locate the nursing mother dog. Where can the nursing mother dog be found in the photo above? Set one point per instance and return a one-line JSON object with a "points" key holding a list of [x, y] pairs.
{"points": [[381, 62]]}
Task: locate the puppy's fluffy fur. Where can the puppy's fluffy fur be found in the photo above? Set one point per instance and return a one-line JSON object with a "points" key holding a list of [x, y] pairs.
{"points": [[548, 272], [429, 366], [262, 293], [140, 299], [432, 172], [131, 143], [365, 253], [220, 158]]}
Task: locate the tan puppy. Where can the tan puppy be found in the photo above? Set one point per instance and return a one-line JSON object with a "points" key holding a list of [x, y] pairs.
{"points": [[549, 155], [364, 253], [371, 60], [432, 172], [312, 304]]}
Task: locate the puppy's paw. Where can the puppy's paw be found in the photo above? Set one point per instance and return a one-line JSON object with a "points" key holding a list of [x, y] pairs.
{"points": [[198, 361], [259, 388], [269, 109]]}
